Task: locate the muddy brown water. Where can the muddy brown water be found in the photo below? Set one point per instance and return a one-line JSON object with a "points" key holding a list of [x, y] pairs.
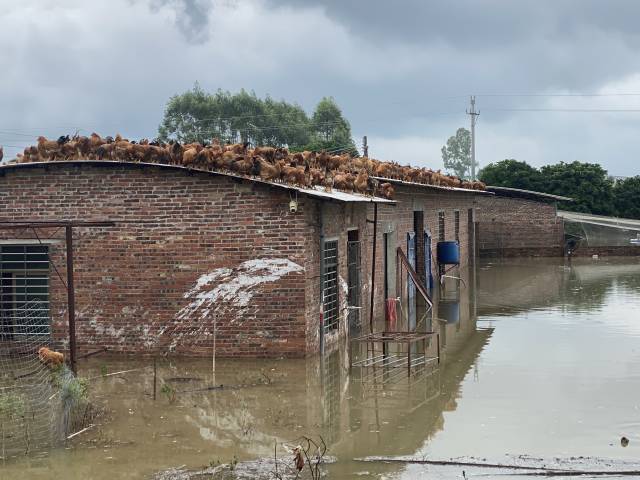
{"points": [[540, 358]]}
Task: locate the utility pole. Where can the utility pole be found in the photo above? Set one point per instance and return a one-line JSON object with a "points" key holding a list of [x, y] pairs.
{"points": [[474, 118], [365, 147]]}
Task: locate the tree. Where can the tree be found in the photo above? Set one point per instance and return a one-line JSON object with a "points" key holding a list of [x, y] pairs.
{"points": [[330, 130], [456, 154], [626, 194], [587, 183], [198, 116], [511, 173]]}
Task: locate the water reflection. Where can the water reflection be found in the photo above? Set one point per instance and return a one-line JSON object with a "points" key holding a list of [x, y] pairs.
{"points": [[551, 366]]}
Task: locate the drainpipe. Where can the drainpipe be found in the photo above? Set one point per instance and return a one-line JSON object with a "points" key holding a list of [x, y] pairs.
{"points": [[321, 226], [373, 264]]}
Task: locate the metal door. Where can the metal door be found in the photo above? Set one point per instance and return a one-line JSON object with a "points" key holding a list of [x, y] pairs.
{"points": [[411, 288]]}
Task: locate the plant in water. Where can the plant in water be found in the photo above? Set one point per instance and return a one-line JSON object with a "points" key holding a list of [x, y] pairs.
{"points": [[169, 392], [103, 370], [75, 389]]}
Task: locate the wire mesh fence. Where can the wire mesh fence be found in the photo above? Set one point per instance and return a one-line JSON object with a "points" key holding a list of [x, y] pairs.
{"points": [[41, 400]]}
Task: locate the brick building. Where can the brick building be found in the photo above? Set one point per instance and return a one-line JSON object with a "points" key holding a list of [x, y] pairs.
{"points": [[192, 253], [519, 223]]}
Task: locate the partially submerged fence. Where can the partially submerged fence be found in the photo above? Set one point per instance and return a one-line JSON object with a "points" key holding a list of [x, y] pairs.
{"points": [[41, 401]]}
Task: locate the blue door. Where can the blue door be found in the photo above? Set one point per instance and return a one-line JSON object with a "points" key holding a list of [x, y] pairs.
{"points": [[411, 288]]}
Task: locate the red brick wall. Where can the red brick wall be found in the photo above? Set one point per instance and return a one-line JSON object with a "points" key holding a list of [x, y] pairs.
{"points": [[518, 227], [171, 228], [398, 219]]}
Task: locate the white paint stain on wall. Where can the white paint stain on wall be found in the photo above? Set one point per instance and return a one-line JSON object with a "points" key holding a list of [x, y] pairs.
{"points": [[226, 287]]}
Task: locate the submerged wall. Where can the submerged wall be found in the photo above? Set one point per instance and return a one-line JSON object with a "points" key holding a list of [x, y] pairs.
{"points": [[192, 253], [189, 252]]}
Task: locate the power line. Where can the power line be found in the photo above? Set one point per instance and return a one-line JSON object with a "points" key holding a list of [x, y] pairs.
{"points": [[574, 110], [558, 95]]}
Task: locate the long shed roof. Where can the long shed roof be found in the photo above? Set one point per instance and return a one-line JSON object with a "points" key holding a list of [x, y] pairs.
{"points": [[315, 192], [529, 194], [601, 220], [436, 187]]}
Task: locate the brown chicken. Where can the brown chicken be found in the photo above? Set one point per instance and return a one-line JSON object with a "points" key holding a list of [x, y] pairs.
{"points": [[386, 190], [49, 357], [189, 156], [361, 183], [343, 181], [304, 168], [295, 175], [267, 171], [242, 165]]}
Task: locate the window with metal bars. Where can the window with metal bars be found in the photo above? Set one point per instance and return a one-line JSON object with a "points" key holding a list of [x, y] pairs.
{"points": [[441, 232], [353, 280], [24, 291], [330, 300], [456, 220]]}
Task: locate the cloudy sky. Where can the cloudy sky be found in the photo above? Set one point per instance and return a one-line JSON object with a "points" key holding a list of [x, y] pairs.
{"points": [[555, 80]]}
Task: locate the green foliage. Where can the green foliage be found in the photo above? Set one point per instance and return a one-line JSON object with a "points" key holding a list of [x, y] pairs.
{"points": [[626, 194], [58, 374], [456, 154], [71, 387], [11, 406], [199, 116], [169, 392], [511, 173], [587, 183], [330, 130]]}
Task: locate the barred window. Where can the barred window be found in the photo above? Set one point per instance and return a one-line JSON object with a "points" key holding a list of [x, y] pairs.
{"points": [[441, 233], [330, 300], [24, 291], [353, 280], [456, 219]]}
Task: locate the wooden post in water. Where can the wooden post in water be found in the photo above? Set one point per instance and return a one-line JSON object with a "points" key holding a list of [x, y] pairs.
{"points": [[155, 376], [213, 356]]}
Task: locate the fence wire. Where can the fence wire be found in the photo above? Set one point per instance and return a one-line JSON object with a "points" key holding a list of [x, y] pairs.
{"points": [[40, 403]]}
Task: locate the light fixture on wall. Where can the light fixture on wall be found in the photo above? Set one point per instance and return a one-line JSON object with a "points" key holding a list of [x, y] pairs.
{"points": [[293, 203]]}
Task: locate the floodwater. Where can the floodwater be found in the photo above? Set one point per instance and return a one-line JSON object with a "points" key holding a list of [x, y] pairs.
{"points": [[538, 358]]}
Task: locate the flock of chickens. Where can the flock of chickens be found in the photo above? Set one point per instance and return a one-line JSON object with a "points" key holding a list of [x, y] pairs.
{"points": [[306, 169]]}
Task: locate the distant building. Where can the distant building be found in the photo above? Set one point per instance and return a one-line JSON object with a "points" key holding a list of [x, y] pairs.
{"points": [[519, 223]]}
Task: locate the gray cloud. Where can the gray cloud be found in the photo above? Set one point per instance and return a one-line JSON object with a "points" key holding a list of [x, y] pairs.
{"points": [[191, 16], [400, 70]]}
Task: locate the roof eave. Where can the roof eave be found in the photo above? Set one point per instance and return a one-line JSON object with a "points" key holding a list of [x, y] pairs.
{"points": [[433, 187], [336, 195]]}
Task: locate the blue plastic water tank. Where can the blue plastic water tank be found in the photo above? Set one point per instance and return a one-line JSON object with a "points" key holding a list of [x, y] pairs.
{"points": [[449, 253]]}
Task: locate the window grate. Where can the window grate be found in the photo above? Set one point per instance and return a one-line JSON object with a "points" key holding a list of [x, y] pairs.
{"points": [[441, 233], [24, 291], [456, 219], [353, 283], [330, 300]]}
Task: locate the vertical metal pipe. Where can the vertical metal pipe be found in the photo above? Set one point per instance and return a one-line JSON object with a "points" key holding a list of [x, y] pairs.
{"points": [[155, 376], [71, 298], [321, 243], [373, 264]]}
